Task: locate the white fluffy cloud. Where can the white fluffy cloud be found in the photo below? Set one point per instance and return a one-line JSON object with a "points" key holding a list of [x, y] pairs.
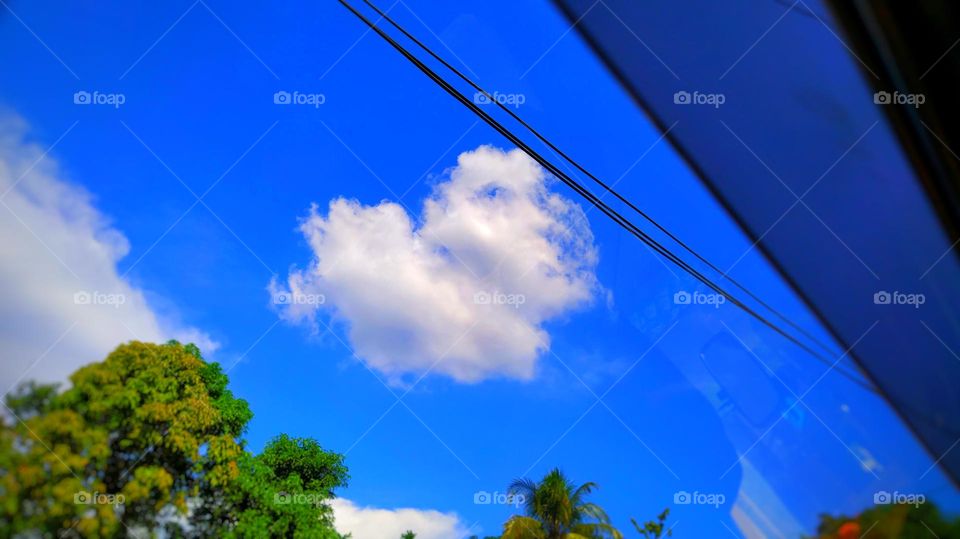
{"points": [[464, 291], [373, 523], [64, 303]]}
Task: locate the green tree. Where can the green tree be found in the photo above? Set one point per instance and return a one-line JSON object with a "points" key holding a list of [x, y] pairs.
{"points": [[280, 493], [653, 529], [408, 535], [556, 508], [150, 439]]}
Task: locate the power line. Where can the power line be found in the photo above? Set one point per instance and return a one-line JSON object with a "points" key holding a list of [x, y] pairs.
{"points": [[596, 202], [603, 207], [598, 181]]}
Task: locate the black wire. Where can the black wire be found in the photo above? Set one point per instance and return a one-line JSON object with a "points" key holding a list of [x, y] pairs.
{"points": [[598, 181], [596, 202]]}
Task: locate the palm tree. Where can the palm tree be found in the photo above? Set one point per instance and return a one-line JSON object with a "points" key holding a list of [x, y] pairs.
{"points": [[556, 509]]}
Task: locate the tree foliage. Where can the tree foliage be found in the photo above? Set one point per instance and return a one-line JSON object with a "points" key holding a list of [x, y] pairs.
{"points": [[889, 522], [150, 439], [279, 493], [149, 442], [654, 529], [556, 508]]}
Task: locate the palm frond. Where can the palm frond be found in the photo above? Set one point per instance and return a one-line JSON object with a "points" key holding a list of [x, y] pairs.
{"points": [[594, 511], [524, 486], [555, 507], [519, 527], [583, 490], [597, 530]]}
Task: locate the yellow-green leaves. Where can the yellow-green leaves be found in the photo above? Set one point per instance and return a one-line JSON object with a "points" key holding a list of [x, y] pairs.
{"points": [[127, 439]]}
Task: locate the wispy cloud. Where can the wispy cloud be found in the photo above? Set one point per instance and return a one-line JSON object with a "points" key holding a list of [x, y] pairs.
{"points": [[64, 302]]}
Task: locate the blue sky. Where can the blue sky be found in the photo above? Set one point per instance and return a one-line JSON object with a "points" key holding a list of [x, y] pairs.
{"points": [[683, 405]]}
